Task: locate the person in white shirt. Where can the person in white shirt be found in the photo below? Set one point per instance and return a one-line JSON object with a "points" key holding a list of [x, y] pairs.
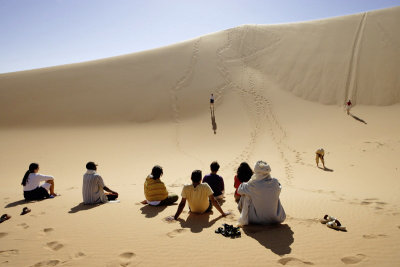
{"points": [[33, 189]]}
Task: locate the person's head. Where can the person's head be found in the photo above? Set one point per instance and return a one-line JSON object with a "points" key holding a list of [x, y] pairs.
{"points": [[91, 166], [33, 168], [196, 176], [157, 172], [262, 168], [214, 166], [244, 172]]}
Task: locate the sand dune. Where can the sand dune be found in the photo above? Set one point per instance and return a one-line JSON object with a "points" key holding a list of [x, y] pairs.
{"points": [[272, 85]]}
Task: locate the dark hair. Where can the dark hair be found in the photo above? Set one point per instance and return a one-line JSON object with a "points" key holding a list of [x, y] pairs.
{"points": [[244, 172], [32, 168], [156, 172], [214, 166], [91, 166], [196, 176]]}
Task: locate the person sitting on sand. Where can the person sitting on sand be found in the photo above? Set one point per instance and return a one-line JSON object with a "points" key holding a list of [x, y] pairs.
{"points": [[199, 196], [33, 190], [259, 202], [243, 175], [155, 191], [93, 187], [319, 155], [215, 181]]}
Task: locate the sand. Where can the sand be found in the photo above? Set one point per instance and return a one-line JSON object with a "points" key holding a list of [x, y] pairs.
{"points": [[279, 90]]}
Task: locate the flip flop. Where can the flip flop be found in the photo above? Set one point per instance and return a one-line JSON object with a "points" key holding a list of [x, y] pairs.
{"points": [[336, 225], [327, 219], [4, 218], [25, 210]]}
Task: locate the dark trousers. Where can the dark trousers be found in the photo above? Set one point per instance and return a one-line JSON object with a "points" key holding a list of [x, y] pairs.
{"points": [[172, 198]]}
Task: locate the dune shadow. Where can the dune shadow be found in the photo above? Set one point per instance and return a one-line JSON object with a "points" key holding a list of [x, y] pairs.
{"points": [[197, 222], [213, 122], [326, 169], [358, 119], [152, 211], [276, 238], [21, 202], [81, 207]]}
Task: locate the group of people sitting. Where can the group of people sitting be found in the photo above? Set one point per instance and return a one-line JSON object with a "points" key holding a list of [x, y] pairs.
{"points": [[257, 193]]}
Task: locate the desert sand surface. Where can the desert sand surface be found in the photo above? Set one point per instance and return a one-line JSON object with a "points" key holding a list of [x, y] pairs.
{"points": [[279, 90]]}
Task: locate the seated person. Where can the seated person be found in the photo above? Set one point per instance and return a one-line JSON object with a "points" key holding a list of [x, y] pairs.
{"points": [[199, 196], [215, 181], [155, 191], [259, 202], [243, 174], [93, 187], [33, 190]]}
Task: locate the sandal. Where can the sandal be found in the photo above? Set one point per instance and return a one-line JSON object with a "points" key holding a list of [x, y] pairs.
{"points": [[4, 218], [327, 219], [336, 225], [25, 210]]}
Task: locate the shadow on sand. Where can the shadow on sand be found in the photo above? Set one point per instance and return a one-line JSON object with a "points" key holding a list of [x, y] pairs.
{"points": [[82, 207], [213, 122], [21, 202], [197, 222], [326, 169], [358, 119], [277, 238], [152, 211]]}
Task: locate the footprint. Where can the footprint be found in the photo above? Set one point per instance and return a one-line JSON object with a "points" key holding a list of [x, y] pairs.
{"points": [[55, 246], [295, 261], [125, 258], [79, 255], [372, 236], [353, 259], [48, 230], [175, 232], [3, 234], [46, 263], [10, 252], [23, 225]]}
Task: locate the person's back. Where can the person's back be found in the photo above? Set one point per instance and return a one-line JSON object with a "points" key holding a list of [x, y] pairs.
{"points": [[92, 189], [216, 183], [262, 193], [154, 189], [197, 197]]}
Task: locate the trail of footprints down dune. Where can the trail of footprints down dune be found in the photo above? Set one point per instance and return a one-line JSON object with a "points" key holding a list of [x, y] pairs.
{"points": [[260, 111]]}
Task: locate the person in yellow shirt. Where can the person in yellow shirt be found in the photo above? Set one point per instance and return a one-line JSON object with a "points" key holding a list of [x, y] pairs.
{"points": [[199, 196], [319, 155], [155, 191]]}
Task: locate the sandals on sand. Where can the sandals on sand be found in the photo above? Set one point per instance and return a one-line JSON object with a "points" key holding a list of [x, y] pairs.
{"points": [[229, 231], [4, 218], [336, 225], [327, 219], [25, 210]]}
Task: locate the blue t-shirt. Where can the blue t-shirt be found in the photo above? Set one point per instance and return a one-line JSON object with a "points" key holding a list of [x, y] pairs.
{"points": [[215, 182]]}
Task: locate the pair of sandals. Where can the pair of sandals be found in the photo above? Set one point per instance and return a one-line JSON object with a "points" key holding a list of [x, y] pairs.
{"points": [[333, 223], [229, 231], [6, 217]]}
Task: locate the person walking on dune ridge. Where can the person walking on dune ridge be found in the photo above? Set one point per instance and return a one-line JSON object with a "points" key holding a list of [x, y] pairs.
{"points": [[348, 106], [212, 100]]}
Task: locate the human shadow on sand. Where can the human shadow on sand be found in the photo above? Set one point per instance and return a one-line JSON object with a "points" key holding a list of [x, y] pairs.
{"points": [[152, 211], [21, 202], [197, 222], [213, 122], [358, 119], [82, 207], [277, 238], [326, 169]]}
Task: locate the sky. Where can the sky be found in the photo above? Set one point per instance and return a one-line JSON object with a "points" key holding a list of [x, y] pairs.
{"points": [[43, 33]]}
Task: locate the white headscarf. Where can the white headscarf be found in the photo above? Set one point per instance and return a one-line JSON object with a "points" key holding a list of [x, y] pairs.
{"points": [[261, 170]]}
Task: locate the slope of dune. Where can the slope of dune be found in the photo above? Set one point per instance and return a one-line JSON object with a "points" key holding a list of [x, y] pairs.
{"points": [[272, 84]]}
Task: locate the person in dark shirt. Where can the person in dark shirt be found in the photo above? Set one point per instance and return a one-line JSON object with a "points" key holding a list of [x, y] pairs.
{"points": [[215, 181]]}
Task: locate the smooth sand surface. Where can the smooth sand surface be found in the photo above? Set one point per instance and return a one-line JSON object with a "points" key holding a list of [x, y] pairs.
{"points": [[279, 91]]}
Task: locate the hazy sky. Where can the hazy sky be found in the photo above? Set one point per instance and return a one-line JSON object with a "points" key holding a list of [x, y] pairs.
{"points": [[41, 33]]}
